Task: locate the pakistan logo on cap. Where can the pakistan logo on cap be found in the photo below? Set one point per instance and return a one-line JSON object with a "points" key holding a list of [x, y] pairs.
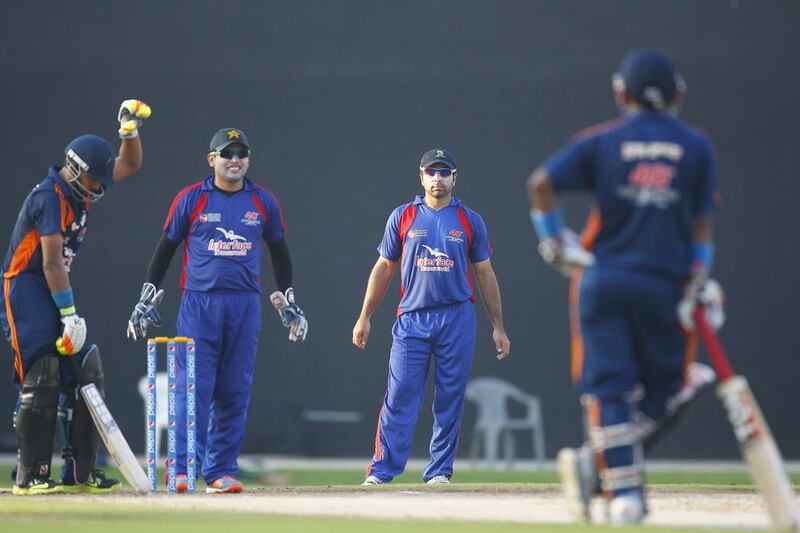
{"points": [[233, 134]]}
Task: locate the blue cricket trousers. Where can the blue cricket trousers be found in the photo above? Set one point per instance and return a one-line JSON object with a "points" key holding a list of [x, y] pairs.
{"points": [[225, 327], [632, 341], [447, 334]]}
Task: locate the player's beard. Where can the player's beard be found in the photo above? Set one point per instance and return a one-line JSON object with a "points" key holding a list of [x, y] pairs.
{"points": [[441, 192]]}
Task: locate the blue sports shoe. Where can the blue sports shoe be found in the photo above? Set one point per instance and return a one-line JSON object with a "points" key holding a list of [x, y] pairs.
{"points": [[225, 485]]}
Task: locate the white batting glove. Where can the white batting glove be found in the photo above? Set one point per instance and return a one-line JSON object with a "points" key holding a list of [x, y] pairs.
{"points": [[565, 252], [131, 115], [705, 292], [73, 335], [291, 315]]}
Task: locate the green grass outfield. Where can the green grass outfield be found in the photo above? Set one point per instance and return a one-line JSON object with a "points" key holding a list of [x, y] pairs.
{"points": [[333, 477], [20, 515], [726, 480]]}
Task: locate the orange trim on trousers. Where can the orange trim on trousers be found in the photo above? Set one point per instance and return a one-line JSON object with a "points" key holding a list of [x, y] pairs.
{"points": [[378, 455], [13, 327], [575, 325]]}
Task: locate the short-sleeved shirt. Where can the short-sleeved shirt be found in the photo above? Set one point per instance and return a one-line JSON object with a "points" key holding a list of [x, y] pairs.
{"points": [[49, 208], [222, 234], [434, 249], [650, 175]]}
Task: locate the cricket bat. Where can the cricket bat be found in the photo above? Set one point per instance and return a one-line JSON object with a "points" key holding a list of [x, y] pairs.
{"points": [[755, 440], [109, 431]]}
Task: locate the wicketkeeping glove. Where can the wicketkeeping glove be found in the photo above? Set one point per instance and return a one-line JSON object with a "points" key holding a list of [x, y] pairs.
{"points": [[145, 312], [706, 292], [131, 115], [73, 335], [564, 251], [292, 316]]}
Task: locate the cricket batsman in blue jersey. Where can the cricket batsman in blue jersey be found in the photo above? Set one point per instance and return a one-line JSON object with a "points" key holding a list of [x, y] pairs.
{"points": [[438, 241], [39, 314], [637, 272], [221, 222]]}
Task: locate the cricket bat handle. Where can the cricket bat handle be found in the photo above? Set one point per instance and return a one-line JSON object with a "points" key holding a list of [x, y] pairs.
{"points": [[716, 353]]}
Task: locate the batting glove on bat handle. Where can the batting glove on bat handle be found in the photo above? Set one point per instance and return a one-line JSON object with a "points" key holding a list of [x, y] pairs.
{"points": [[705, 292], [131, 115], [73, 335], [292, 316], [145, 312]]}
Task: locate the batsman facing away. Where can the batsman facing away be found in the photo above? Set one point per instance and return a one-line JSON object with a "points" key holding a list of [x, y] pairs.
{"points": [[39, 314], [222, 221], [653, 181]]}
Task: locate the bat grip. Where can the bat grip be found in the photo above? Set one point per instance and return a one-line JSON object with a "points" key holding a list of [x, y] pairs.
{"points": [[716, 353]]}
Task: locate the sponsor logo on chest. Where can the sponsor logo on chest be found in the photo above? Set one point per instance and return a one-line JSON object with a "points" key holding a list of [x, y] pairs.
{"points": [[230, 244], [455, 235], [251, 218], [210, 217], [73, 239], [434, 260]]}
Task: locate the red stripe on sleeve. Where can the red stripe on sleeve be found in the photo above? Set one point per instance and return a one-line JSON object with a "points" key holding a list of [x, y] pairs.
{"points": [[183, 192], [465, 223], [277, 204], [406, 220], [260, 207], [201, 204]]}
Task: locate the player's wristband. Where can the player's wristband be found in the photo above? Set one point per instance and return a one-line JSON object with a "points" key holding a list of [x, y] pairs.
{"points": [[64, 301], [124, 135], [702, 257], [547, 224]]}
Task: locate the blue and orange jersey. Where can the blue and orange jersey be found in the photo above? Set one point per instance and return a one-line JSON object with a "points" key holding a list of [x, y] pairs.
{"points": [[49, 208], [434, 249], [650, 175], [222, 234]]}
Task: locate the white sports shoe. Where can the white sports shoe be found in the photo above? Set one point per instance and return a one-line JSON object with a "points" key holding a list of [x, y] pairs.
{"points": [[372, 480], [626, 510], [579, 480], [438, 480]]}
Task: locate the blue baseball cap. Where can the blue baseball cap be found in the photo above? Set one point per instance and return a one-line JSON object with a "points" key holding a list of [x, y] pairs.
{"points": [[94, 155], [437, 155], [649, 76]]}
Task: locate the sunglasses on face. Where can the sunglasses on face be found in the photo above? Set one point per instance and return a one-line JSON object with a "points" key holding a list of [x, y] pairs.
{"points": [[230, 153], [443, 172]]}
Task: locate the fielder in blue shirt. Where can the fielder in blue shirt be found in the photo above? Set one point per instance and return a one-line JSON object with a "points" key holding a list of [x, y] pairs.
{"points": [[221, 221], [438, 241], [638, 271]]}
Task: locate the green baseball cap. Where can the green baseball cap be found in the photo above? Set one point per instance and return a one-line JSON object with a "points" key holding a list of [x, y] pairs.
{"points": [[227, 136]]}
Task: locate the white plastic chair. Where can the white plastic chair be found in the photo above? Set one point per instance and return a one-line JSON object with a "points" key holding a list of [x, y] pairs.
{"points": [[494, 425], [161, 406]]}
